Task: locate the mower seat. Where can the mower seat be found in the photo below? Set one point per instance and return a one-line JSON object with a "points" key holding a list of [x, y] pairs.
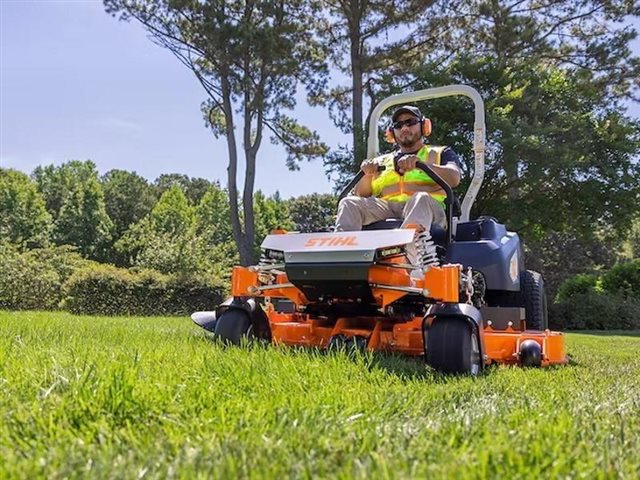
{"points": [[438, 233]]}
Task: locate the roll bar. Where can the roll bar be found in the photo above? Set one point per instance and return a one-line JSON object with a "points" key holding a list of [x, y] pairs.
{"points": [[478, 131]]}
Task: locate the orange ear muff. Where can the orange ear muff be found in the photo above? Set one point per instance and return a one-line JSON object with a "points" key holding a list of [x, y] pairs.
{"points": [[389, 137], [426, 127]]}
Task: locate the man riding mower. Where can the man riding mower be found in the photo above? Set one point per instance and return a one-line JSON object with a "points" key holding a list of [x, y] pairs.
{"points": [[461, 299]]}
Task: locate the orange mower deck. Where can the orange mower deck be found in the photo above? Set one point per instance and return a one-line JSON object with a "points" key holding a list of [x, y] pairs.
{"points": [[382, 333]]}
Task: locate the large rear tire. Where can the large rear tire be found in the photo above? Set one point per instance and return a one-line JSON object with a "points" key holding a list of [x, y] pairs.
{"points": [[534, 300], [453, 347], [232, 326]]}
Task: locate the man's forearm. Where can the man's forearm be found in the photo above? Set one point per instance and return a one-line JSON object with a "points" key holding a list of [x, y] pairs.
{"points": [[451, 175], [364, 188]]}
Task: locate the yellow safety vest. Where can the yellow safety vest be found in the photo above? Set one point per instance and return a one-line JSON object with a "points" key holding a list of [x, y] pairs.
{"points": [[391, 186]]}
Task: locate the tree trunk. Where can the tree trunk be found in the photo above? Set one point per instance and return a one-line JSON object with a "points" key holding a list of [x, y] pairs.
{"points": [[356, 84], [246, 248], [232, 170]]}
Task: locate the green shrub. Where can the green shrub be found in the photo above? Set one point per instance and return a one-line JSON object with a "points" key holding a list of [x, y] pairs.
{"points": [[623, 279], [33, 280], [64, 260], [107, 290], [577, 285], [609, 302], [595, 311], [100, 289], [25, 285], [189, 294]]}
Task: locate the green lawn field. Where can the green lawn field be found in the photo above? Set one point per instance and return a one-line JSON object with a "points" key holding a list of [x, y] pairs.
{"points": [[155, 398]]}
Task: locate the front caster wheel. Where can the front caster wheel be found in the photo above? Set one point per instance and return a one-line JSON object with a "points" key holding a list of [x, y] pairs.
{"points": [[232, 326], [453, 347]]}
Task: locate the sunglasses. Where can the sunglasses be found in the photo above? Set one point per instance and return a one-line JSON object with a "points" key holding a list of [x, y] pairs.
{"points": [[410, 122]]}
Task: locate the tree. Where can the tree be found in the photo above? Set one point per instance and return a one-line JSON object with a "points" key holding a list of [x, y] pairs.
{"points": [[249, 58], [313, 213], [83, 220], [173, 214], [24, 220], [55, 183], [158, 240], [73, 196], [181, 239], [272, 213], [631, 246], [589, 35], [213, 216], [194, 188], [128, 199]]}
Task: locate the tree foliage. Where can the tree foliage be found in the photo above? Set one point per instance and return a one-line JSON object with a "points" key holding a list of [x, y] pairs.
{"points": [[172, 214], [56, 182], [313, 213], [24, 220], [75, 199], [194, 188], [128, 198], [213, 216], [83, 221], [272, 213]]}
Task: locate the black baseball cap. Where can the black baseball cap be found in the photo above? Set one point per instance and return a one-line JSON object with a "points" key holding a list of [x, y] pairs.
{"points": [[415, 111]]}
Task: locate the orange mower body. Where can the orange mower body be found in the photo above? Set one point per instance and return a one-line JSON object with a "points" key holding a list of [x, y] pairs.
{"points": [[357, 289]]}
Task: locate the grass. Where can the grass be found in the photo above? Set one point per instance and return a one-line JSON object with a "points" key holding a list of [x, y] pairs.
{"points": [[155, 398]]}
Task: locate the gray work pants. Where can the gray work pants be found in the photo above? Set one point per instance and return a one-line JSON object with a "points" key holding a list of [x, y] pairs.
{"points": [[420, 209]]}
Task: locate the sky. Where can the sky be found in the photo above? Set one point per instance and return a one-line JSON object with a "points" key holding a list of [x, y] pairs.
{"points": [[77, 84]]}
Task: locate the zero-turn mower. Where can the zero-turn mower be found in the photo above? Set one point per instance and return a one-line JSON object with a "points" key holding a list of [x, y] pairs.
{"points": [[475, 304]]}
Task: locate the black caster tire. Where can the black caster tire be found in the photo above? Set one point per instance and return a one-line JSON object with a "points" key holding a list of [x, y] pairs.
{"points": [[530, 354], [453, 347], [232, 326]]}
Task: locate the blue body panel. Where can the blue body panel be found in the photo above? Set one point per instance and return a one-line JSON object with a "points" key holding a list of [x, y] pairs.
{"points": [[487, 246]]}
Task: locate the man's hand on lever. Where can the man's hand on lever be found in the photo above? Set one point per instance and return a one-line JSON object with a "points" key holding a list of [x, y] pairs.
{"points": [[407, 163], [370, 168]]}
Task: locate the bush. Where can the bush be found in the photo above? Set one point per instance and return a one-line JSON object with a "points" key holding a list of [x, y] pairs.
{"points": [[26, 285], [595, 311], [577, 285], [609, 302], [33, 280], [107, 290], [623, 279], [64, 260]]}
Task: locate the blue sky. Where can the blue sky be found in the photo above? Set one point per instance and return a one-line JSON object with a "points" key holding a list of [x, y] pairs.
{"points": [[76, 83]]}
